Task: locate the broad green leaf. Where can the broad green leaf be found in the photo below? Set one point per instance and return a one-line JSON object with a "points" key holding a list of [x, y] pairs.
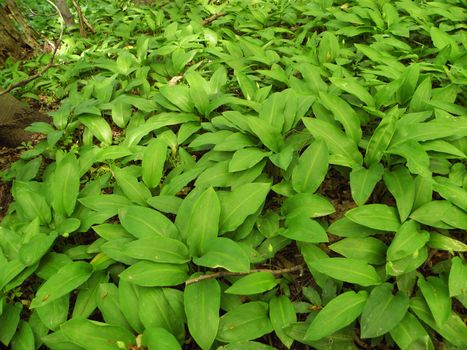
{"points": [[309, 205], [65, 187], [337, 142], [436, 294], [270, 136], [153, 162], [91, 335], [121, 112], [198, 92], [421, 96], [401, 185], [9, 318], [382, 311], [85, 303], [165, 204], [304, 229], [408, 240], [380, 139], [223, 252], [410, 332], [338, 313], [352, 86], [456, 195], [129, 304], [348, 270], [312, 167], [246, 158], [377, 216], [158, 249], [245, 322], [109, 305], [99, 127], [24, 337], [136, 191], [417, 159], [453, 330], [155, 338], [204, 221], [109, 203], [343, 113], [367, 249], [68, 278], [179, 96], [408, 264], [344, 227], [433, 213], [457, 278], [282, 314], [32, 251], [144, 222], [202, 303], [363, 181], [53, 314], [151, 274], [254, 283], [240, 203]]}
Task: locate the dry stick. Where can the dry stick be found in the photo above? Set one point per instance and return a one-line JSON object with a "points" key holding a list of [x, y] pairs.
{"points": [[51, 62], [211, 19], [227, 273], [82, 20]]}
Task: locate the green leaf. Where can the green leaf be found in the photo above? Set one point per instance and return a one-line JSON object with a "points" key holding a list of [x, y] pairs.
{"points": [[309, 205], [24, 337], [456, 195], [246, 158], [223, 252], [418, 161], [99, 127], [32, 251], [65, 187], [199, 92], [409, 332], [436, 294], [408, 240], [165, 204], [136, 191], [338, 313], [9, 319], [68, 278], [254, 283], [144, 222], [153, 162], [151, 274], [402, 186], [368, 249], [128, 298], [91, 335], [304, 229], [381, 138], [109, 305], [453, 330], [244, 322], [352, 86], [155, 338], [337, 142], [344, 227], [282, 314], [348, 270], [270, 136], [457, 278], [382, 311], [343, 113], [109, 203], [204, 221], [312, 167], [377, 216], [53, 314], [202, 303], [237, 205], [433, 213], [363, 181], [158, 249]]}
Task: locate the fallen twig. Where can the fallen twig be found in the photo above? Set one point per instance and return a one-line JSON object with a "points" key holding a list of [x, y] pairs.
{"points": [[211, 19], [82, 20], [228, 273]]}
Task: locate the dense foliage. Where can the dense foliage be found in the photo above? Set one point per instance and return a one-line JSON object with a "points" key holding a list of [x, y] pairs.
{"points": [[320, 142]]}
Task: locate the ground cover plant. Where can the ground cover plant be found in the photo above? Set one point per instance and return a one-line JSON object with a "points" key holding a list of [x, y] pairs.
{"points": [[242, 175]]}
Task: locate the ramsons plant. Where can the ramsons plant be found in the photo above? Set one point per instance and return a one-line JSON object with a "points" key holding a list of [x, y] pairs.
{"points": [[220, 171]]}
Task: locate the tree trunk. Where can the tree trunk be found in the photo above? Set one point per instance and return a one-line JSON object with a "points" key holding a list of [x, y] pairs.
{"points": [[65, 11], [17, 38]]}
